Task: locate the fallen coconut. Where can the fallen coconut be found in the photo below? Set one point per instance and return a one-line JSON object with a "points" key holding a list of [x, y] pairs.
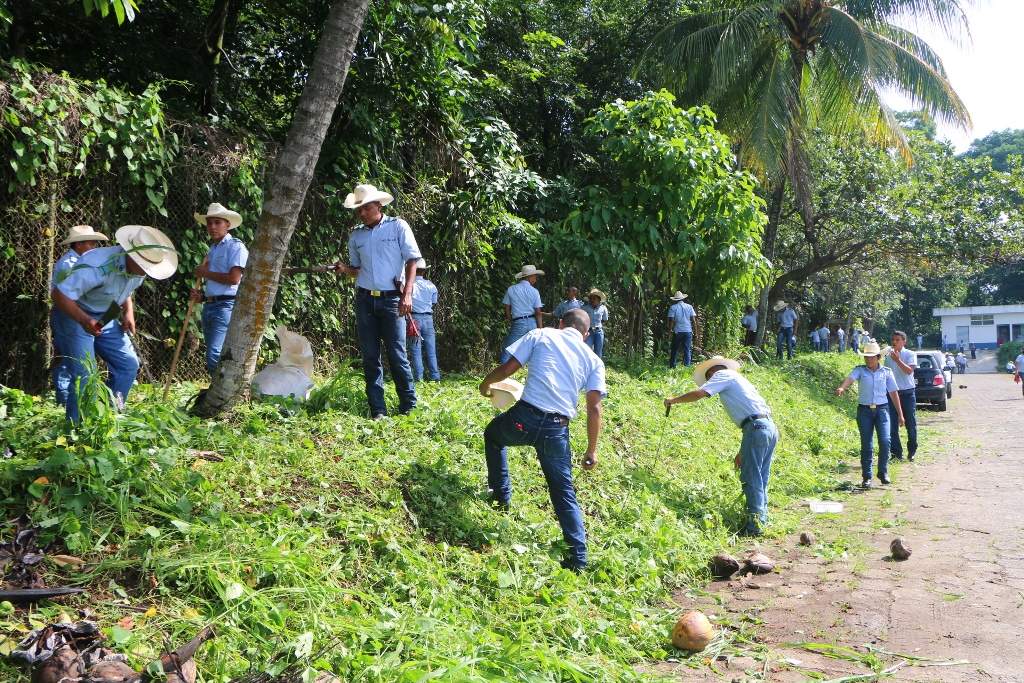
{"points": [[758, 564], [63, 665], [693, 631], [899, 549], [109, 671], [723, 565], [807, 538]]}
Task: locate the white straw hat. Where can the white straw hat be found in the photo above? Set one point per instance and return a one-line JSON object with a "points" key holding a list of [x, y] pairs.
{"points": [[364, 194], [701, 370], [505, 393], [870, 349], [219, 211], [421, 264], [780, 305], [527, 271], [84, 233], [598, 293], [678, 296], [152, 250]]}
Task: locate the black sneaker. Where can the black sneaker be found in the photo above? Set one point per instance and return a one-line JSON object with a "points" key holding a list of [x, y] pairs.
{"points": [[378, 417], [866, 484], [912, 457], [896, 456], [884, 478], [572, 566]]}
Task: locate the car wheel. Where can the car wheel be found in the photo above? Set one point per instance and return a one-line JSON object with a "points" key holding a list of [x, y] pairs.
{"points": [[942, 404]]}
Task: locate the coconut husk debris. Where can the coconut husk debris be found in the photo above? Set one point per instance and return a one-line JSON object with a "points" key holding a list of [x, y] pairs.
{"points": [[20, 557]]}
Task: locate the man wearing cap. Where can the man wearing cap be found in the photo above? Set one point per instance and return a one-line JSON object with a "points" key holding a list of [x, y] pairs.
{"points": [[750, 413], [383, 255], [788, 327], [749, 323], [902, 361], [81, 238], [570, 303], [424, 298], [104, 279], [222, 269], [682, 321], [876, 385], [560, 366], [598, 313], [522, 307]]}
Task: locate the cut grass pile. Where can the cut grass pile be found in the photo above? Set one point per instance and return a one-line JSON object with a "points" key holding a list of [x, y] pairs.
{"points": [[322, 529]]}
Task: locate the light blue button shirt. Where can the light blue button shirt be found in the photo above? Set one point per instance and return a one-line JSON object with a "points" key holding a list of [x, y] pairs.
{"points": [[560, 365], [823, 334], [566, 306], [523, 298], [903, 380], [787, 317], [424, 295], [681, 312], [739, 397], [99, 278], [380, 253], [873, 387], [62, 268], [597, 315], [840, 333], [224, 255], [749, 321]]}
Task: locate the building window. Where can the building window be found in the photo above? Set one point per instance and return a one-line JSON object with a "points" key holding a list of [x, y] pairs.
{"points": [[982, 320]]}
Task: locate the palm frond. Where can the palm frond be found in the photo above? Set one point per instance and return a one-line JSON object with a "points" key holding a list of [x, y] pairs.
{"points": [[946, 15], [681, 53], [733, 57], [773, 107]]}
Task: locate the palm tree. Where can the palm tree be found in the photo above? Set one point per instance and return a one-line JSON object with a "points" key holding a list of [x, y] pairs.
{"points": [[774, 70]]}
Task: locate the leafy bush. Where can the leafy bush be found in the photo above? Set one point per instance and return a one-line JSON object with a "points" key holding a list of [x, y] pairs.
{"points": [[1008, 352]]}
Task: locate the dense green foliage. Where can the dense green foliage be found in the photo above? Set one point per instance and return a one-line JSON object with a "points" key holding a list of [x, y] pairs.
{"points": [[1001, 147], [1008, 353], [380, 535]]}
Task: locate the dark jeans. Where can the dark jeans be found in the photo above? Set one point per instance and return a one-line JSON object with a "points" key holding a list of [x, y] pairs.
{"points": [[785, 337], [870, 422], [908, 401], [684, 339], [377, 321], [549, 435]]}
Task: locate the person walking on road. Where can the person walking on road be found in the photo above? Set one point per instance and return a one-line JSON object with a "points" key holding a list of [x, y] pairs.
{"points": [[383, 255], [874, 383], [570, 303], [522, 307], [560, 366], [424, 343], [1018, 375], [961, 363], [974, 351], [751, 414], [682, 321], [749, 323], [788, 327], [902, 362], [598, 313]]}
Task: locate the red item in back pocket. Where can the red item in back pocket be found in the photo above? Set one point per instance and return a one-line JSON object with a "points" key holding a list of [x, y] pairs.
{"points": [[412, 327]]}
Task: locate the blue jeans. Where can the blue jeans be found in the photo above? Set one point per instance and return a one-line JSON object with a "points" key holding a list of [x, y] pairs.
{"points": [[870, 422], [515, 333], [815, 344], [59, 373], [908, 401], [113, 346], [756, 449], [216, 316], [842, 344], [426, 343], [785, 337], [684, 339], [595, 340], [549, 435], [377, 321]]}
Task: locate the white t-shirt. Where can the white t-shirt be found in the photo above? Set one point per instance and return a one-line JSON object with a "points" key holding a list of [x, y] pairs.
{"points": [[1020, 359]]}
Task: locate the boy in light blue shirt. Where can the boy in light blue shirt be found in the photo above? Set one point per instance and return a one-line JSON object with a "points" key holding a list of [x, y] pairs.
{"points": [[570, 303], [523, 307], [682, 320], [598, 316], [424, 298], [788, 327]]}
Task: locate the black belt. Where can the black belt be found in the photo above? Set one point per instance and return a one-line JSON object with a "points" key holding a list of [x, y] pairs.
{"points": [[755, 416], [905, 391], [215, 299], [873, 406], [543, 413], [594, 328], [523, 317], [378, 292], [427, 313]]}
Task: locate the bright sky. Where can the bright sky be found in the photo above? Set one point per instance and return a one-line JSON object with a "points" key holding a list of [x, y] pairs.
{"points": [[985, 71]]}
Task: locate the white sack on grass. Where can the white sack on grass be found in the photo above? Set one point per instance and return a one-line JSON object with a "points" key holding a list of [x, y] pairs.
{"points": [[291, 374]]}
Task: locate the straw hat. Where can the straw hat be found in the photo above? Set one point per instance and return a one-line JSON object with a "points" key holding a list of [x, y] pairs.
{"points": [[218, 211], [780, 305], [84, 233], [598, 293], [870, 349], [421, 264], [527, 271], [678, 296], [364, 194], [505, 393], [701, 370], [152, 250]]}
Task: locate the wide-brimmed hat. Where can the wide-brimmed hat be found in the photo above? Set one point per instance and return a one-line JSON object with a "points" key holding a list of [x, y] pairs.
{"points": [[421, 264], [870, 349], [701, 370], [364, 194], [150, 248], [219, 211], [780, 305], [527, 271], [598, 293], [84, 233], [678, 296], [505, 393]]}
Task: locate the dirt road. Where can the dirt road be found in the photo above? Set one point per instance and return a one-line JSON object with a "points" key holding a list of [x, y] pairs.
{"points": [[959, 597]]}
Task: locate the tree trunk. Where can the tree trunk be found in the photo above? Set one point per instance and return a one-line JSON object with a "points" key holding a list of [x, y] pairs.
{"points": [[284, 200], [210, 50], [771, 231], [853, 302]]}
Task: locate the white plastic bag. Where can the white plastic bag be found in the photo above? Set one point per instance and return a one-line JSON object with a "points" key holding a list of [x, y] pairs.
{"points": [[291, 374]]}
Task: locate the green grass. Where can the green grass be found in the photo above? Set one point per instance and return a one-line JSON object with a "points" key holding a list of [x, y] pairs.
{"points": [[376, 539]]}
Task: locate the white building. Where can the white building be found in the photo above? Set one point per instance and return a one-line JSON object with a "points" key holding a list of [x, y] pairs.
{"points": [[986, 326]]}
